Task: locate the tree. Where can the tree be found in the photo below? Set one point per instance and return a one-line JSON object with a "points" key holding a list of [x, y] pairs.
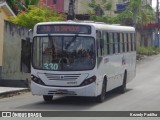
{"points": [[138, 15], [35, 14], [99, 7], [138, 12]]}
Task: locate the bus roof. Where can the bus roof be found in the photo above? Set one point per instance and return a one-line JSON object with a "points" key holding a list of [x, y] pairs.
{"points": [[97, 25]]}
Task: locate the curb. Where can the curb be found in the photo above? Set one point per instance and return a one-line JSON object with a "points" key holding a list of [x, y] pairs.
{"points": [[13, 92]]}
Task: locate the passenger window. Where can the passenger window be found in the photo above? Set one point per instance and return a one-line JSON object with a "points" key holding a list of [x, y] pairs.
{"points": [[111, 41], [98, 35], [106, 44], [116, 42], [121, 43], [125, 43], [129, 41]]}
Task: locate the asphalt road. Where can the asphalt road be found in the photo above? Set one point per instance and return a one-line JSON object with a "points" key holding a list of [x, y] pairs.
{"points": [[143, 94]]}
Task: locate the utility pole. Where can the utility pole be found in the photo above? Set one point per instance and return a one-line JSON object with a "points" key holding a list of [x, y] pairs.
{"points": [[71, 12], [157, 24]]}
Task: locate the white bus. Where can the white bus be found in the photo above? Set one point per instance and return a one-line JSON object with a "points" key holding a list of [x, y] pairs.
{"points": [[81, 59]]}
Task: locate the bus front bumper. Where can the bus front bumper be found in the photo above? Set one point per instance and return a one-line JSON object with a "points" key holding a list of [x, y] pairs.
{"points": [[86, 91]]}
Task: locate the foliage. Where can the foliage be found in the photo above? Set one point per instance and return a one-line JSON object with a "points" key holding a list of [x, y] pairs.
{"points": [[34, 15], [30, 2], [139, 12], [124, 16], [105, 19], [99, 7], [17, 5], [148, 50], [136, 13]]}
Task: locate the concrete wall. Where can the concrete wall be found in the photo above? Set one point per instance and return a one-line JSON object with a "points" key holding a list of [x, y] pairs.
{"points": [[5, 13], [11, 66], [1, 43], [81, 6], [59, 5], [2, 17]]}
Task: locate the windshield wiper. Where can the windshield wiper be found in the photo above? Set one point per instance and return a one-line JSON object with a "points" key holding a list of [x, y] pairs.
{"points": [[73, 39]]}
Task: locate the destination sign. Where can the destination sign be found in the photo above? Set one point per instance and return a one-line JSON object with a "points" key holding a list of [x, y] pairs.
{"points": [[63, 29]]}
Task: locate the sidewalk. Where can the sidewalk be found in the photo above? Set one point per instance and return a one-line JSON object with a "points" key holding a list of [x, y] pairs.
{"points": [[7, 91]]}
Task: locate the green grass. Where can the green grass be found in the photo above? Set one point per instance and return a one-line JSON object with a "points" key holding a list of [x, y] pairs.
{"points": [[148, 50]]}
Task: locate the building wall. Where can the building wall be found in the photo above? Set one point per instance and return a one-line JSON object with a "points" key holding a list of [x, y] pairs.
{"points": [[59, 5], [3, 15], [1, 43], [81, 6], [1, 37], [114, 2], [13, 36]]}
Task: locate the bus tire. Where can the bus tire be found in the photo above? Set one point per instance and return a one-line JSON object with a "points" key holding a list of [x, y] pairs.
{"points": [[102, 96], [122, 88], [47, 98]]}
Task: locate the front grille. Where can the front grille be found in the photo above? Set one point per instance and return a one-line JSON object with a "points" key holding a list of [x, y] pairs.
{"points": [[63, 76], [61, 92]]}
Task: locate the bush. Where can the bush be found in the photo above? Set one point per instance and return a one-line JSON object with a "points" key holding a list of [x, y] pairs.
{"points": [[151, 50], [35, 15]]}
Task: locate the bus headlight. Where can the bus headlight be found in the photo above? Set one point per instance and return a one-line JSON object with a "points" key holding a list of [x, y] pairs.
{"points": [[88, 81], [37, 80]]}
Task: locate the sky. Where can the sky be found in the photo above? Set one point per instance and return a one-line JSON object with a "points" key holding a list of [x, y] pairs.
{"points": [[154, 3]]}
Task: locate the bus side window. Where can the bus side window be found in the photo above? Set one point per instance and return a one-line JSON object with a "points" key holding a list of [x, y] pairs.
{"points": [[125, 43], [110, 43], [118, 42], [134, 42], [121, 42], [102, 43], [115, 43], [105, 38], [98, 37], [129, 42]]}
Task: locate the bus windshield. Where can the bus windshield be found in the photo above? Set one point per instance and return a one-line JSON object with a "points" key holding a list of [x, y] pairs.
{"points": [[64, 53]]}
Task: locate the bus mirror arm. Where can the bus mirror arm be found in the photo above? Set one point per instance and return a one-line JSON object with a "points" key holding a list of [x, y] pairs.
{"points": [[28, 38]]}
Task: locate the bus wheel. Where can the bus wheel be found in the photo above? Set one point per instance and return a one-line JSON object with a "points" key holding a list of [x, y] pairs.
{"points": [[47, 98], [102, 96], [122, 88]]}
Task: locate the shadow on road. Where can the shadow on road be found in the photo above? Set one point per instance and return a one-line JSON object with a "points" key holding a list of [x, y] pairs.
{"points": [[69, 103]]}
